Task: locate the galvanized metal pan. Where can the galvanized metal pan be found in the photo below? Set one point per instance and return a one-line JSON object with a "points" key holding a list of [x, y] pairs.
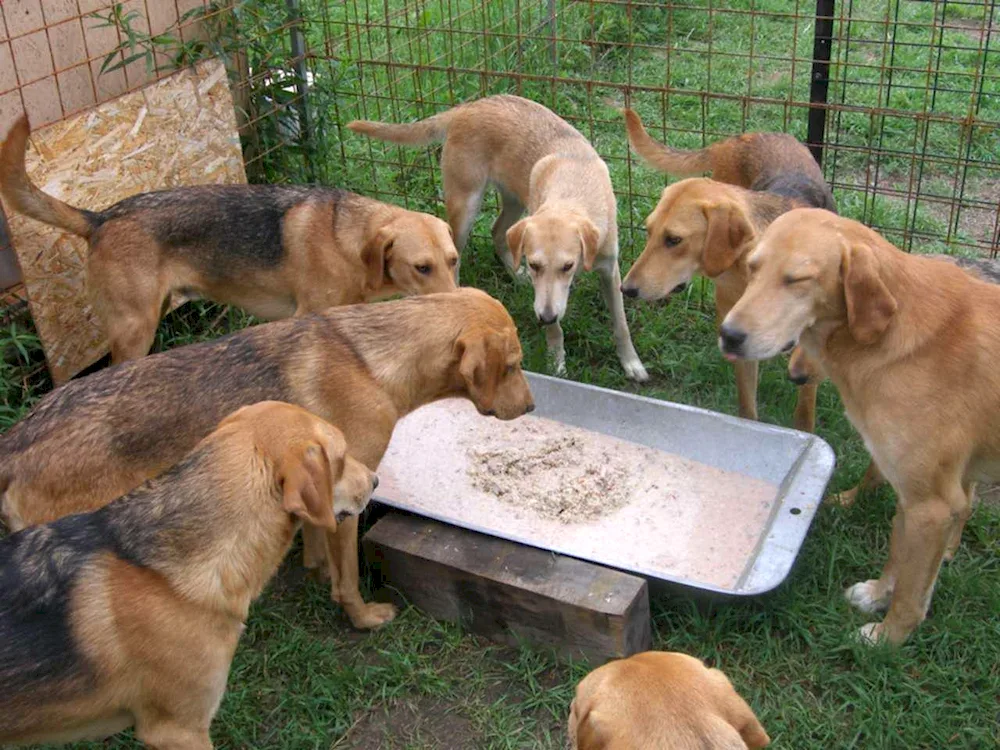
{"points": [[424, 469]]}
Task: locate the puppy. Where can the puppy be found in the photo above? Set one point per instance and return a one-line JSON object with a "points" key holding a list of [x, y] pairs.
{"points": [[708, 227], [130, 615], [360, 367], [895, 333], [274, 250], [542, 164], [662, 701]]}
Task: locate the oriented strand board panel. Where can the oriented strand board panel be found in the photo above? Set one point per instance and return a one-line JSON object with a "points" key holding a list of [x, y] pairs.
{"points": [[178, 131]]}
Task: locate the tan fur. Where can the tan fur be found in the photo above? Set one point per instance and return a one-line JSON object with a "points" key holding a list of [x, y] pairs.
{"points": [[910, 343], [361, 368], [334, 252], [716, 225], [662, 700], [544, 166], [160, 638]]}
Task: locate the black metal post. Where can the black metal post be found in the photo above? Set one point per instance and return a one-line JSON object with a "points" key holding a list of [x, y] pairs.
{"points": [[298, 42], [820, 77]]}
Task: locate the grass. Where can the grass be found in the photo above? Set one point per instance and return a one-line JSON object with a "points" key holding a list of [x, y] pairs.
{"points": [[302, 678]]}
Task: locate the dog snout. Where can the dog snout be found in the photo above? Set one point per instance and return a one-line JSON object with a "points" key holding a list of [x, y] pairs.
{"points": [[731, 339], [529, 408], [630, 291], [547, 317], [798, 379]]}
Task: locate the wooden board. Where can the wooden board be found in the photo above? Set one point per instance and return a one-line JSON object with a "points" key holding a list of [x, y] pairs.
{"points": [[178, 131], [509, 592]]}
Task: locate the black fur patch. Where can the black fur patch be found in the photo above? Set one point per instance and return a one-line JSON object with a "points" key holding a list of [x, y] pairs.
{"points": [[799, 187], [228, 227]]}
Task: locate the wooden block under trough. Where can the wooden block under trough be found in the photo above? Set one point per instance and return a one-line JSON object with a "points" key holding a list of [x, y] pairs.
{"points": [[507, 591]]}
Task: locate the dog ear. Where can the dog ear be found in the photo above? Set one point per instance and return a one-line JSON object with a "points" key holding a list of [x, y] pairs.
{"points": [[870, 304], [589, 237], [728, 230], [515, 237], [476, 352], [375, 256], [307, 480]]}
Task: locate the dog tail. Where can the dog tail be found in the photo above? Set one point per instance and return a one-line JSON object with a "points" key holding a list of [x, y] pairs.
{"points": [[419, 133], [673, 161], [17, 188]]}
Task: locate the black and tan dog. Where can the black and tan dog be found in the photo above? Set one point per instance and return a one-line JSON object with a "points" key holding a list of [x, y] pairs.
{"points": [[703, 226], [274, 250], [130, 615], [360, 367]]}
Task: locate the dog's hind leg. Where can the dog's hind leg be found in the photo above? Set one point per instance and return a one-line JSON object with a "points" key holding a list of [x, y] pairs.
{"points": [[167, 735], [464, 185], [611, 288], [509, 214]]}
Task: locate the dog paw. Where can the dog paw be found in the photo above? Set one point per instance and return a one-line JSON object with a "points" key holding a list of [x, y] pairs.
{"points": [[844, 499], [868, 596], [370, 616], [870, 634], [634, 370]]}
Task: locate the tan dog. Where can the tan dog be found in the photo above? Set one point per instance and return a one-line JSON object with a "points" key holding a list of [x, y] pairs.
{"points": [[707, 228], [661, 701], [274, 250], [542, 164], [911, 344], [130, 615], [360, 367]]}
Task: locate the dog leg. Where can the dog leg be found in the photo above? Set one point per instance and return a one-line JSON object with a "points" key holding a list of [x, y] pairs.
{"points": [[168, 735], [915, 552], [314, 550], [510, 213], [874, 595], [556, 348], [342, 557], [611, 288], [955, 541], [464, 184], [805, 408], [872, 478], [746, 388]]}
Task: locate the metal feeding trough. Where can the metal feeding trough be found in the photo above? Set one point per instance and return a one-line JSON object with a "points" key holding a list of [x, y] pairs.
{"points": [[666, 491]]}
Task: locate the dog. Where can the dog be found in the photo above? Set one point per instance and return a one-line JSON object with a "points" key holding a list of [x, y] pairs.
{"points": [[708, 226], [542, 164], [895, 333], [661, 700], [360, 367], [274, 250], [130, 615]]}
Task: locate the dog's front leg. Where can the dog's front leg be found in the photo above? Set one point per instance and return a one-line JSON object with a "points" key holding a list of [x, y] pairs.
{"points": [[611, 288], [805, 408], [556, 348], [342, 557], [746, 388]]}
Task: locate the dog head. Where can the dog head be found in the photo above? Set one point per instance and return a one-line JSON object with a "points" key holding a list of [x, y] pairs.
{"points": [[554, 244], [697, 227], [319, 481], [809, 266], [413, 253], [487, 355], [654, 697]]}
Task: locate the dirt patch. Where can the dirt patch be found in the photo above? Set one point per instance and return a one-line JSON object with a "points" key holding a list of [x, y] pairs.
{"points": [[423, 723]]}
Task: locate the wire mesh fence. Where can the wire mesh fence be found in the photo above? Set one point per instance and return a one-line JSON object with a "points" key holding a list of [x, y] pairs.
{"points": [[900, 98]]}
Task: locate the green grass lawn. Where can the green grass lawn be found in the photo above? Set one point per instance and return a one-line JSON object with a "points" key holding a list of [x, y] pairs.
{"points": [[302, 678]]}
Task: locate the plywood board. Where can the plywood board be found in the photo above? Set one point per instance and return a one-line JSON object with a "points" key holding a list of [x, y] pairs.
{"points": [[178, 131]]}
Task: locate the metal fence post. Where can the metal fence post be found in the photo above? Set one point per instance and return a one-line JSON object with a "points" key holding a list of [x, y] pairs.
{"points": [[820, 77], [298, 43]]}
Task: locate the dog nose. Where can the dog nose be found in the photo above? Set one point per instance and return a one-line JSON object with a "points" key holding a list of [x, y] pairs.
{"points": [[798, 379], [547, 318], [374, 482], [490, 412], [630, 291], [679, 288], [732, 339], [530, 408]]}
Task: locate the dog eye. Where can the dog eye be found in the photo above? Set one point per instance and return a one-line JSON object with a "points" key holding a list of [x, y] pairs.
{"points": [[790, 280], [452, 262], [536, 267], [423, 268], [568, 267], [671, 240], [509, 370]]}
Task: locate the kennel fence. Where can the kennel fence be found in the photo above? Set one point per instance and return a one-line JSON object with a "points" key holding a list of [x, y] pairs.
{"points": [[900, 99]]}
